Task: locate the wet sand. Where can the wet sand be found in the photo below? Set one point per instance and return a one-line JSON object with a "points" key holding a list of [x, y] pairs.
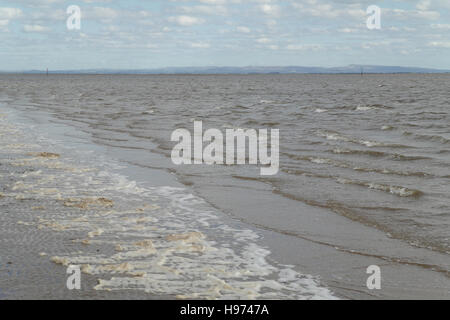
{"points": [[132, 242]]}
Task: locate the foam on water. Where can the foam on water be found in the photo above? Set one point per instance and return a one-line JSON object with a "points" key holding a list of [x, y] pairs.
{"points": [[162, 240]]}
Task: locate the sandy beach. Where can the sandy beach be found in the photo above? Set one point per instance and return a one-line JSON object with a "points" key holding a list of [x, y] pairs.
{"points": [[130, 241]]}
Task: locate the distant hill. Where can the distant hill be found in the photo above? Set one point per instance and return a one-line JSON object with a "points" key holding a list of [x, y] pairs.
{"points": [[252, 70]]}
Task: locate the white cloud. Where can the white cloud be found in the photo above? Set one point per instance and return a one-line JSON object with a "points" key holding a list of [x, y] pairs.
{"points": [[185, 20], [208, 10], [348, 30], [4, 25], [441, 26], [326, 10], [100, 13], [213, 1], [439, 44], [200, 45], [411, 15], [243, 29], [35, 28], [263, 40], [270, 9], [303, 47], [423, 5], [10, 13]]}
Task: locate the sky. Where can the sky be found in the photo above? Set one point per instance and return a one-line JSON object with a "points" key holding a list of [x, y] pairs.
{"points": [[145, 34]]}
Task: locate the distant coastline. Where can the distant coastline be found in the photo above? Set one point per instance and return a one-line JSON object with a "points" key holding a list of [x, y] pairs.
{"points": [[351, 69]]}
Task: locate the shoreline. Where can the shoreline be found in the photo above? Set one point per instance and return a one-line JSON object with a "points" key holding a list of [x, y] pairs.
{"points": [[49, 209], [318, 243]]}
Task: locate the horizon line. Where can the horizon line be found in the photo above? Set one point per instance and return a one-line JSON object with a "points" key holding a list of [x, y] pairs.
{"points": [[296, 69]]}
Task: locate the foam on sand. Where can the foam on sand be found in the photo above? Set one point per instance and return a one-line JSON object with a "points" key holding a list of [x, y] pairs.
{"points": [[161, 240]]}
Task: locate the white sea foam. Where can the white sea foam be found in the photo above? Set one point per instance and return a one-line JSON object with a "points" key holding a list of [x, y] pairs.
{"points": [[166, 241]]}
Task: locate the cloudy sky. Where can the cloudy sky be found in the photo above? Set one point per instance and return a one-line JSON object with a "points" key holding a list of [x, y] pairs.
{"points": [[136, 34]]}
